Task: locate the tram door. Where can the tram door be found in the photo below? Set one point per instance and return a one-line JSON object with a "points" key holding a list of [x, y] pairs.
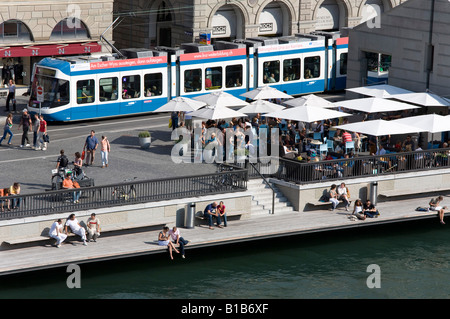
{"points": [[131, 92]]}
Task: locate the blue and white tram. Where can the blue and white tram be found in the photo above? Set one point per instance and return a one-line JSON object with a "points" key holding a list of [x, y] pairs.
{"points": [[79, 88]]}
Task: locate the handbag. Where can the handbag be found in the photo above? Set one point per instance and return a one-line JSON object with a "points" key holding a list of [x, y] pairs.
{"points": [[46, 138], [83, 154]]}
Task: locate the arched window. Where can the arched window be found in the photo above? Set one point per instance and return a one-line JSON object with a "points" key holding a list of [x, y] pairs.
{"points": [[13, 31], [70, 28]]}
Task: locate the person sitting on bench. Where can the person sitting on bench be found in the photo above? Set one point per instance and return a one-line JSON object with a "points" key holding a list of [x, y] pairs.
{"points": [[435, 206], [209, 212]]}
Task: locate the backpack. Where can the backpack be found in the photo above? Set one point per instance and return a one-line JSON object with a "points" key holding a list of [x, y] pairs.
{"points": [[63, 161], [422, 209]]}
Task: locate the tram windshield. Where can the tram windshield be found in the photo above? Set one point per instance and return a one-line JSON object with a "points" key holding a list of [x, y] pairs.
{"points": [[56, 91]]}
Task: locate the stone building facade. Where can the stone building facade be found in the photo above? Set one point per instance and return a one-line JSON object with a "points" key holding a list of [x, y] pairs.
{"points": [[31, 30], [171, 22], [416, 37]]}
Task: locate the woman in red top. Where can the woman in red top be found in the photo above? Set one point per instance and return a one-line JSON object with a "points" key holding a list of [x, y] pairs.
{"points": [[346, 137], [222, 214], [41, 133]]}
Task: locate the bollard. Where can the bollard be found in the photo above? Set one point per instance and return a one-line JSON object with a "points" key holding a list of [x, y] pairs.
{"points": [[189, 216], [374, 193]]}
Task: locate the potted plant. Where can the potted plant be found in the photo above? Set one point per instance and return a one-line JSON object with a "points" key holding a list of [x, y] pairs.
{"points": [[145, 139]]}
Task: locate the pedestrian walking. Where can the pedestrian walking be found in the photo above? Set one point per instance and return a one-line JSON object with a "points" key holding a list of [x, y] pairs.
{"points": [[7, 129], [35, 130], [42, 144], [25, 122], [104, 151], [90, 146], [11, 96]]}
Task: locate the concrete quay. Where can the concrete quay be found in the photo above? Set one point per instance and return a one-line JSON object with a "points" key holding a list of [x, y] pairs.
{"points": [[285, 224]]}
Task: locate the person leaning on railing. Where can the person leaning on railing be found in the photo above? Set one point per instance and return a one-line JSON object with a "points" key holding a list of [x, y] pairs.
{"points": [[15, 190], [3, 193]]}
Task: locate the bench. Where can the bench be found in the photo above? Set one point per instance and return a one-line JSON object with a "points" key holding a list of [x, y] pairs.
{"points": [[200, 218], [103, 229], [320, 203], [413, 191]]}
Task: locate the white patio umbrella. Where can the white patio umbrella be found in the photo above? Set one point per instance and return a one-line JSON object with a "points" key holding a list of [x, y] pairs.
{"points": [[181, 104], [261, 106], [214, 112], [309, 100], [266, 92], [221, 98], [432, 123], [380, 90], [307, 114], [379, 128], [374, 105], [422, 98]]}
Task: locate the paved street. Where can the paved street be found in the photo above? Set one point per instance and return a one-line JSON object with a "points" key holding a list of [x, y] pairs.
{"points": [[127, 160]]}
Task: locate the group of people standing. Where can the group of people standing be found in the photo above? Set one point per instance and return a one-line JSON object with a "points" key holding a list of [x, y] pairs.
{"points": [[38, 126], [60, 232]]}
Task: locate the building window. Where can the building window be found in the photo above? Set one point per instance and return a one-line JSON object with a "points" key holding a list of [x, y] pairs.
{"points": [[108, 89], [233, 76], [213, 78], [70, 28], [312, 67], [291, 70], [271, 72], [153, 84], [192, 80], [85, 91], [14, 30], [131, 86]]}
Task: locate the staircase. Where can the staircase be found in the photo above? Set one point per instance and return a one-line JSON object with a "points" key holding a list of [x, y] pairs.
{"points": [[262, 199]]}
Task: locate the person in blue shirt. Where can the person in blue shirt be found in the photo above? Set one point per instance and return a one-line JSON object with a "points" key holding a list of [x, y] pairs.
{"points": [[209, 212], [90, 145]]}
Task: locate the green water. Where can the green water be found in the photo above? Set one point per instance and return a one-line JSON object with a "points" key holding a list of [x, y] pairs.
{"points": [[413, 259]]}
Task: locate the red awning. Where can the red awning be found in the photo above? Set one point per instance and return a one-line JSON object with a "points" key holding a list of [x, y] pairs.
{"points": [[50, 49]]}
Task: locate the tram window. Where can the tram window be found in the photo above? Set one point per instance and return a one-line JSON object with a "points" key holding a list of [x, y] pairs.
{"points": [[233, 75], [131, 86], [291, 70], [213, 78], [85, 91], [192, 80], [153, 84], [343, 63], [312, 67], [271, 72], [108, 89]]}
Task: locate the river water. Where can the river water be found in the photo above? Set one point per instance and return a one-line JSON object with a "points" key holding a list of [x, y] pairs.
{"points": [[413, 260]]}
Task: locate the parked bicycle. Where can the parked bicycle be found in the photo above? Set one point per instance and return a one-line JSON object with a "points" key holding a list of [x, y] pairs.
{"points": [[125, 192]]}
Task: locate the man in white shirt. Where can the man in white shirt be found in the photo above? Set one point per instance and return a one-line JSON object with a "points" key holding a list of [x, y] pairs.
{"points": [[344, 195], [76, 228], [174, 233], [56, 232]]}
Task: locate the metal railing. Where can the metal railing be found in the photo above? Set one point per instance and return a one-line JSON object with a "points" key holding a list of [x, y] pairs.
{"points": [[361, 166], [128, 193]]}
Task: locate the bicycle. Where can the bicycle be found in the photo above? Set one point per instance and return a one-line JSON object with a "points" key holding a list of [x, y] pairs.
{"points": [[120, 192]]}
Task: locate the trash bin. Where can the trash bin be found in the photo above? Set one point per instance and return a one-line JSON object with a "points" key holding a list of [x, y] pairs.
{"points": [[189, 216], [374, 193]]}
